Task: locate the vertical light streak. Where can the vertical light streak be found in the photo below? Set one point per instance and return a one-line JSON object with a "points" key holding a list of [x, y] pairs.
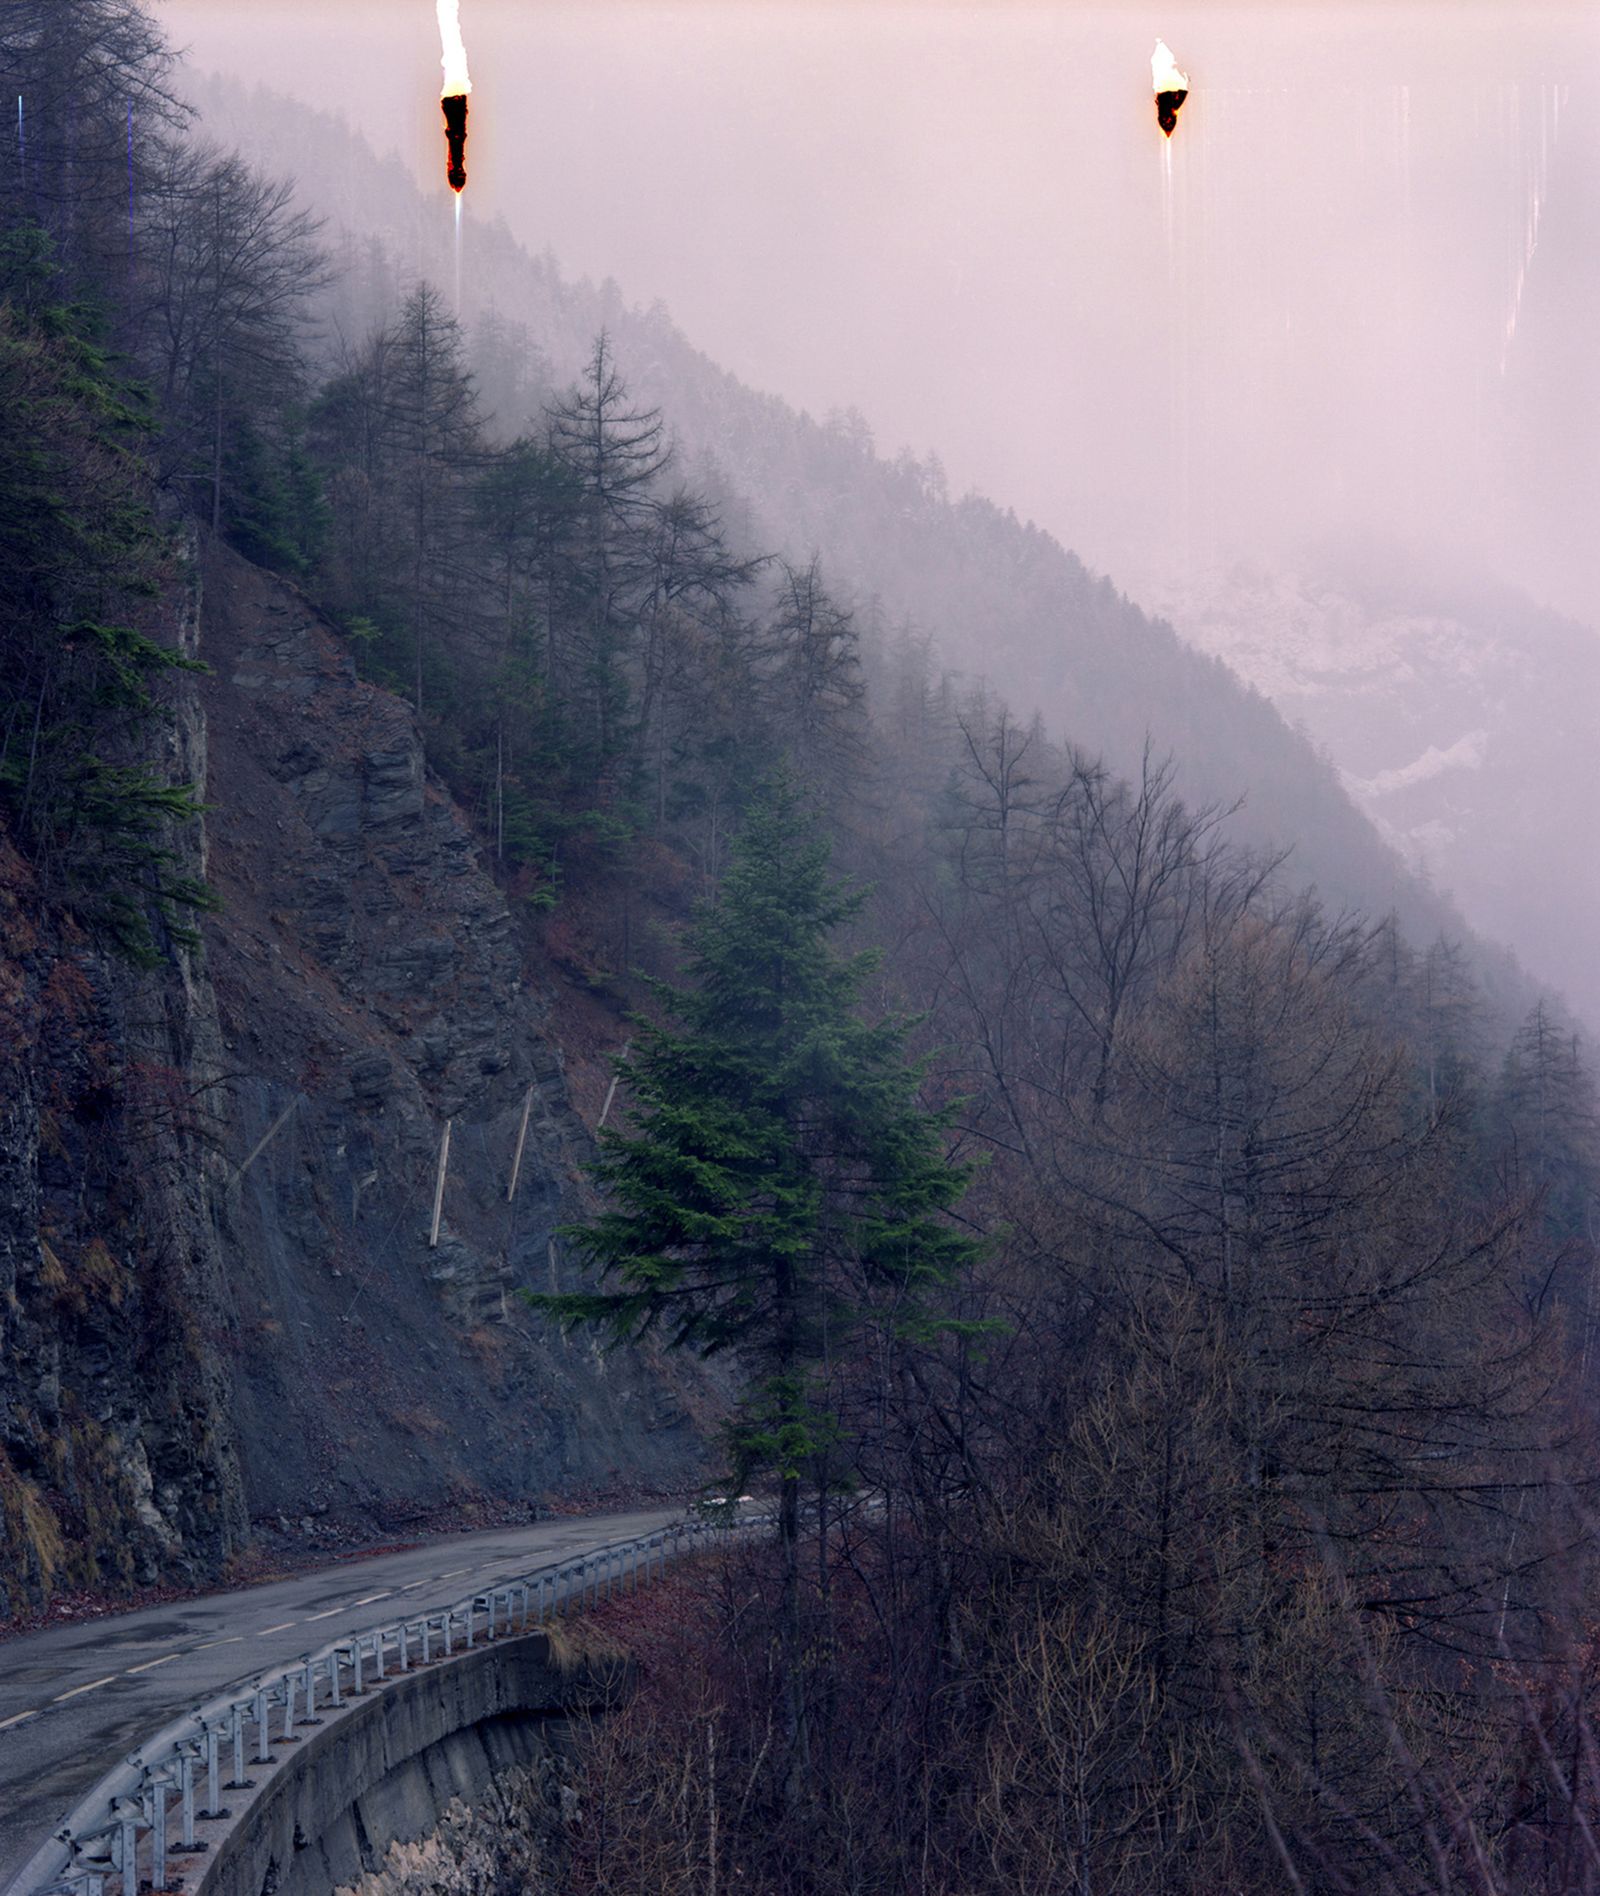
{"points": [[1533, 183]]}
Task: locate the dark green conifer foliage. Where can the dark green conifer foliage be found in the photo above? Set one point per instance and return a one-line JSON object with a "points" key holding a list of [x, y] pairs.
{"points": [[782, 1186], [81, 561]]}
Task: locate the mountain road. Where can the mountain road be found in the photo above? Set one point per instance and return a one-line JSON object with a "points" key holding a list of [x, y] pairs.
{"points": [[76, 1699]]}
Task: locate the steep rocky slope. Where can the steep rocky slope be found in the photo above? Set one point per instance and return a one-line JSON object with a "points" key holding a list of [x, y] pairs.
{"points": [[219, 1308], [370, 989]]}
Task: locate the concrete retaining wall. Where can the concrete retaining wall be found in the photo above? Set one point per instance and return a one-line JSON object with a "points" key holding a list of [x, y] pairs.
{"points": [[384, 1768]]}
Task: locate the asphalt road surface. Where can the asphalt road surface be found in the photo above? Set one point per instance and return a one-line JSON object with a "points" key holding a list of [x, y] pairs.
{"points": [[75, 1700]]}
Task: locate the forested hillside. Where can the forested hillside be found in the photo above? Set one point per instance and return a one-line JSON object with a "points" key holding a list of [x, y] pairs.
{"points": [[998, 598], [1156, 1295]]}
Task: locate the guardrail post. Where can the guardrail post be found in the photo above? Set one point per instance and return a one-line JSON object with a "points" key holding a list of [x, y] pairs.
{"points": [[427, 1640], [158, 1836], [288, 1708], [128, 1855], [470, 1605], [333, 1676], [355, 1667], [405, 1662], [263, 1736], [240, 1781], [309, 1717], [213, 1773], [186, 1792], [378, 1643]]}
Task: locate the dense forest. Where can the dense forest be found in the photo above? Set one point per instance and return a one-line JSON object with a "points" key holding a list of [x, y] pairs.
{"points": [[1159, 1304]]}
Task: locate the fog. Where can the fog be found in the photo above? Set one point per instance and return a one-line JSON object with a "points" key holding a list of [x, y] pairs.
{"points": [[1358, 304]]}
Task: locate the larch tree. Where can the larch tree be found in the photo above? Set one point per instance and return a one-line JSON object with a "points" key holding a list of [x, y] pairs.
{"points": [[436, 431], [617, 453]]}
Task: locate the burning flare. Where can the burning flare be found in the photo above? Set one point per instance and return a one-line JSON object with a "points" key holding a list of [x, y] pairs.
{"points": [[1171, 85], [453, 96]]}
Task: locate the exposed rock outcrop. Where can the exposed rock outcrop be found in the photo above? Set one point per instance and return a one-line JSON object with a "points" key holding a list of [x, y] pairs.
{"points": [[117, 1462], [220, 1312]]}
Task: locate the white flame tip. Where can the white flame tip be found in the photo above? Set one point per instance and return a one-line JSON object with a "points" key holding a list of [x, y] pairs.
{"points": [[1165, 74], [453, 58]]}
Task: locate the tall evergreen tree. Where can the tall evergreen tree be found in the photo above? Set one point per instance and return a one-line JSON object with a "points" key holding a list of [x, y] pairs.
{"points": [[782, 1190]]}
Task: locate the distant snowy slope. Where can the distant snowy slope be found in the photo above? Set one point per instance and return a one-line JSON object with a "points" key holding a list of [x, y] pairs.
{"points": [[1463, 718]]}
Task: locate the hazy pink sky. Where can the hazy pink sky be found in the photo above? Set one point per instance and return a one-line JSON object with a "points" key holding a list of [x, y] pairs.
{"points": [[953, 218]]}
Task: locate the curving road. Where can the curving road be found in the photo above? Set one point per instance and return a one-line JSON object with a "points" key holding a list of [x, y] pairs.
{"points": [[75, 1700]]}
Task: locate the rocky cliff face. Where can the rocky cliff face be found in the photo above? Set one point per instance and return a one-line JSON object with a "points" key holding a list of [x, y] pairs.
{"points": [[221, 1314], [117, 1459]]}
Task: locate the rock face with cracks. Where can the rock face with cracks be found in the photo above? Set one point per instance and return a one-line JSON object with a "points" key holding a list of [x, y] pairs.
{"points": [[221, 1318]]}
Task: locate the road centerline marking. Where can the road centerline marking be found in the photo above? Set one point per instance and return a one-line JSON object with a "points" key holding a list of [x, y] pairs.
{"points": [[151, 1664], [233, 1639], [77, 1691], [373, 1596], [328, 1615], [16, 1718], [283, 1628]]}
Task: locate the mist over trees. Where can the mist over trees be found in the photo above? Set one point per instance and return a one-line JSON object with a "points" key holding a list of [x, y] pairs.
{"points": [[1162, 1300]]}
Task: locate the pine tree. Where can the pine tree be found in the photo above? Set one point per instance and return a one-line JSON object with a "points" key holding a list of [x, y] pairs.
{"points": [[782, 1189]]}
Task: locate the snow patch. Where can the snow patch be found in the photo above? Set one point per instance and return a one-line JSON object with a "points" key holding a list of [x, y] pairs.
{"points": [[1466, 753]]}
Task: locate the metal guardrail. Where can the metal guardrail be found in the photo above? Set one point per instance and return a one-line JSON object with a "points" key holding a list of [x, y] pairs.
{"points": [[141, 1816]]}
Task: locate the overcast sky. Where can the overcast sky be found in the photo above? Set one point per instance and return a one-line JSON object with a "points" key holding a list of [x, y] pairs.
{"points": [[958, 219]]}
